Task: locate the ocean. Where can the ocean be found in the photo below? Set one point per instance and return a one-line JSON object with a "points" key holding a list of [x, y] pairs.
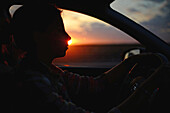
{"points": [[94, 55]]}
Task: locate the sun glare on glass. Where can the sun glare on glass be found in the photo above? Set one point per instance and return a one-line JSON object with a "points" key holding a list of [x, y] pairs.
{"points": [[69, 42]]}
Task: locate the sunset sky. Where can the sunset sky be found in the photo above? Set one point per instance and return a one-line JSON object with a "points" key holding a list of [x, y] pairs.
{"points": [[152, 14]]}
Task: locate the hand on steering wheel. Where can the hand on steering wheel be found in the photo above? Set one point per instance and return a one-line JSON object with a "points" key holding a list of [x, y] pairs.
{"points": [[144, 85], [142, 67]]}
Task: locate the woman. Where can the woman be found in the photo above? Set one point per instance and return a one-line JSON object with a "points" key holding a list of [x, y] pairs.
{"points": [[41, 87]]}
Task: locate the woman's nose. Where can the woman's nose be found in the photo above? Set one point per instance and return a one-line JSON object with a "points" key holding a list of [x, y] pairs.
{"points": [[69, 38]]}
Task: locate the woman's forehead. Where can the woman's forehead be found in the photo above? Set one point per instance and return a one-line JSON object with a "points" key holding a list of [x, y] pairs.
{"points": [[56, 24]]}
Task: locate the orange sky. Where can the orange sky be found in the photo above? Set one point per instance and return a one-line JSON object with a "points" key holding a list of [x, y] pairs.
{"points": [[86, 30]]}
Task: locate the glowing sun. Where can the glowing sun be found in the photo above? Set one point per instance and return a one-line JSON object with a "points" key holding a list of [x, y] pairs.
{"points": [[69, 42]]}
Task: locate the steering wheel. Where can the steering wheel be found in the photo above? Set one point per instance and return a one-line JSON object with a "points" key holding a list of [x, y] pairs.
{"points": [[140, 71]]}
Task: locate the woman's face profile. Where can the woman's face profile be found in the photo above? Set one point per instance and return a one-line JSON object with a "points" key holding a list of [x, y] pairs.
{"points": [[54, 40]]}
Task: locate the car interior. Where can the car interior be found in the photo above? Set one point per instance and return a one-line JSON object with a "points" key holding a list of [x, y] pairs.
{"points": [[147, 42]]}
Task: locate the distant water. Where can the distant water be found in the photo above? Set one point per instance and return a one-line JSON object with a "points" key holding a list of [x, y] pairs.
{"points": [[93, 55]]}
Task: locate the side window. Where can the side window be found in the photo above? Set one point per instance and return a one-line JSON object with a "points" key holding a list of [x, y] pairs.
{"points": [[94, 42]]}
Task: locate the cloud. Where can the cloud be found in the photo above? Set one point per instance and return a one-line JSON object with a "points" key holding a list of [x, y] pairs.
{"points": [[87, 30], [75, 21], [101, 33], [133, 10], [160, 26], [152, 14], [142, 10], [158, 1]]}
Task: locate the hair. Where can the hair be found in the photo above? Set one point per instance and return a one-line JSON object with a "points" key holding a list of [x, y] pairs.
{"points": [[29, 19]]}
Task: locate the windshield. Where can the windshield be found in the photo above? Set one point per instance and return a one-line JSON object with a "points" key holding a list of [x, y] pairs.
{"points": [[152, 14]]}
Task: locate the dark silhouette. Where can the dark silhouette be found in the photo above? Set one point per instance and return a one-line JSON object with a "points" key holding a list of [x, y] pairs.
{"points": [[41, 87]]}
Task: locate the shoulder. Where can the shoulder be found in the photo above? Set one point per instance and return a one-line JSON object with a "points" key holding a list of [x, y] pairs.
{"points": [[56, 69], [31, 77]]}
